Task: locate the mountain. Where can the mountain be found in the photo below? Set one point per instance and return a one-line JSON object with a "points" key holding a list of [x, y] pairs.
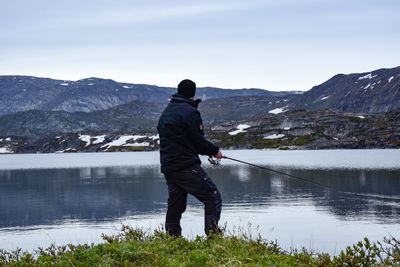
{"points": [[36, 107], [369, 92], [22, 93]]}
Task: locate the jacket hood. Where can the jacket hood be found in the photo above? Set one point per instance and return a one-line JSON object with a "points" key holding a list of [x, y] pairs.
{"points": [[178, 98]]}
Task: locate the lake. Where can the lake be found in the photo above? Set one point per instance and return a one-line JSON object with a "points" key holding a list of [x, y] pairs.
{"points": [[74, 198]]}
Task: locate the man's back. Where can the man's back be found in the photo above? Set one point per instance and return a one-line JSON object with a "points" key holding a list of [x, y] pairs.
{"points": [[177, 150]]}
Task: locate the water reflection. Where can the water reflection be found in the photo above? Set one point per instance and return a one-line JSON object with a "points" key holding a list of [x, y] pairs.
{"points": [[32, 197], [49, 196]]}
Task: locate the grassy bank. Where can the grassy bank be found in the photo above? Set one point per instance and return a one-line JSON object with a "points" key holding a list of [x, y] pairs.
{"points": [[134, 247]]}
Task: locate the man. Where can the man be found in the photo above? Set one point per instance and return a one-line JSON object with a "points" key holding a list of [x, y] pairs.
{"points": [[181, 141]]}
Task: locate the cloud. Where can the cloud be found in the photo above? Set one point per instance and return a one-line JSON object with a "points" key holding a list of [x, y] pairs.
{"points": [[147, 14]]}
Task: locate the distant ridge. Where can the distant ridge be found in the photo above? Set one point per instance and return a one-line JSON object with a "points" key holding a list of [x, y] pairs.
{"points": [[369, 92], [22, 93]]}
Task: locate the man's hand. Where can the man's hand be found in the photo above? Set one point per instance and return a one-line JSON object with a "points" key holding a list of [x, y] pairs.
{"points": [[218, 155]]}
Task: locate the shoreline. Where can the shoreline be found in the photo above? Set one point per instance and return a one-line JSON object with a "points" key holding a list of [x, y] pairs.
{"points": [[306, 159]]}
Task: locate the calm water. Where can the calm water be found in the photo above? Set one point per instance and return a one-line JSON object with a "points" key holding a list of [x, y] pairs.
{"points": [[61, 198]]}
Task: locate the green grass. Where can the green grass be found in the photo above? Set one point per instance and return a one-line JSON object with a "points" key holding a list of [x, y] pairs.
{"points": [[135, 247], [255, 140], [128, 148], [302, 140]]}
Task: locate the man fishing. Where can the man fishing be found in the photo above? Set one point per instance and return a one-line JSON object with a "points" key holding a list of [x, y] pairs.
{"points": [[182, 139]]}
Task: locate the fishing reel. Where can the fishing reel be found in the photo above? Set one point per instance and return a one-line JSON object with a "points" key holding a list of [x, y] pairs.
{"points": [[214, 162]]}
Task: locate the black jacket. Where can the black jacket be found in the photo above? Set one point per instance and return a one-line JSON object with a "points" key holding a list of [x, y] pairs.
{"points": [[181, 135]]}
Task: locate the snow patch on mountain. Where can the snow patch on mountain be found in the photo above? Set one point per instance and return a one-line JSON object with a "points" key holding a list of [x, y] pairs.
{"points": [[64, 84], [391, 78], [138, 144], [274, 136], [240, 129], [85, 138], [136, 137], [154, 137], [277, 110], [368, 76], [121, 141], [99, 139], [325, 97], [5, 150]]}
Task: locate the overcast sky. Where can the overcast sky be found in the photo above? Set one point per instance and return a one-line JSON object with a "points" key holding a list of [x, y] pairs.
{"points": [[275, 45]]}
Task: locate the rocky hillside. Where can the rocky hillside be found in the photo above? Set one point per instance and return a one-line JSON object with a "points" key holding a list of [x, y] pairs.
{"points": [[243, 108], [312, 130], [369, 92], [133, 116], [290, 130]]}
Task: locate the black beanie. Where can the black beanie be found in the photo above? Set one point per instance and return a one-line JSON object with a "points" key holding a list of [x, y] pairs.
{"points": [[187, 88]]}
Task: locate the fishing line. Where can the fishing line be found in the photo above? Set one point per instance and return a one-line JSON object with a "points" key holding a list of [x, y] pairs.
{"points": [[279, 172], [216, 162]]}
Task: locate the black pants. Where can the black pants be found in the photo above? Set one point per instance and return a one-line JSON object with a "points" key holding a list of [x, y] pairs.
{"points": [[195, 181]]}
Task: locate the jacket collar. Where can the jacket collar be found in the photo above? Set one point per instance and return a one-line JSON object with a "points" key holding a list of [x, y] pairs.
{"points": [[178, 98]]}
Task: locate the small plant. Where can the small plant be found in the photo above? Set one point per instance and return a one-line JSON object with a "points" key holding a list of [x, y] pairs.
{"points": [[364, 253], [389, 251]]}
